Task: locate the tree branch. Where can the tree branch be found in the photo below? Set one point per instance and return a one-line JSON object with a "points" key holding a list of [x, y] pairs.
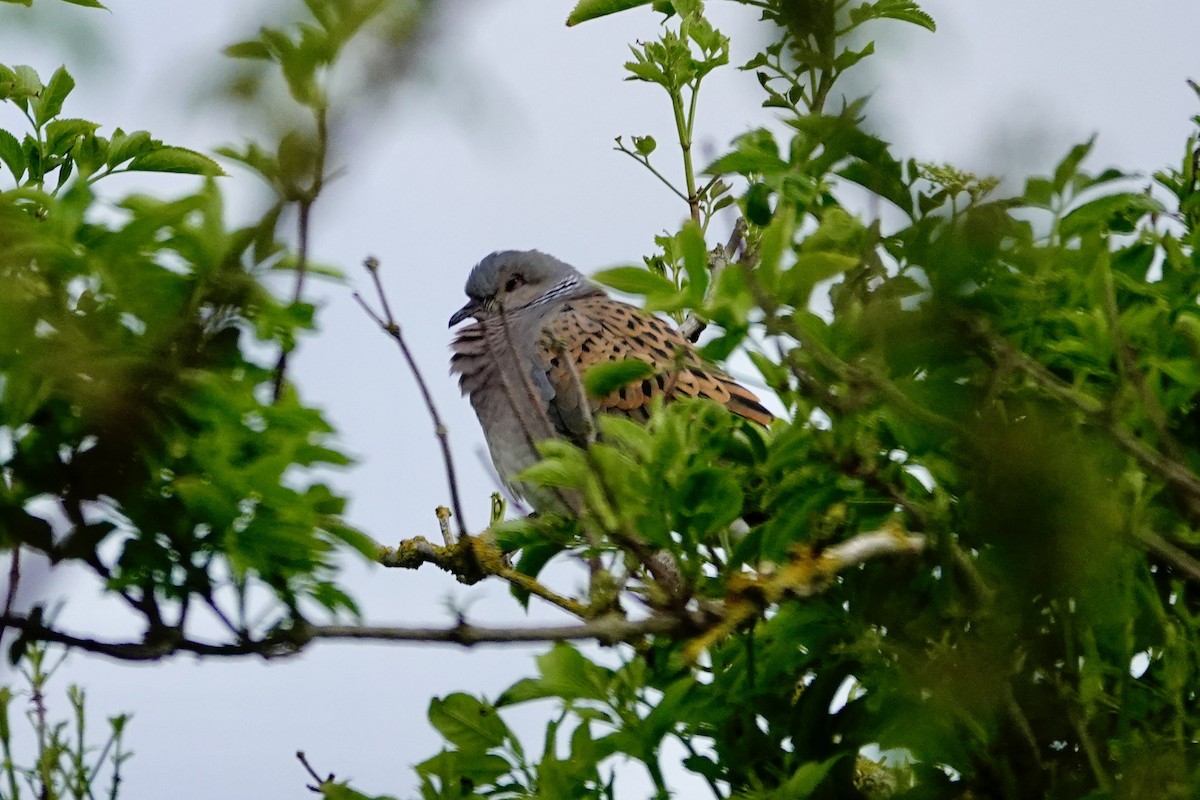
{"points": [[608, 630], [388, 323], [806, 575], [470, 560]]}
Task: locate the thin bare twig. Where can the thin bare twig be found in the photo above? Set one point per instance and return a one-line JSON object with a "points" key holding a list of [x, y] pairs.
{"points": [[318, 781], [388, 323], [645, 162], [1020, 721], [14, 577], [304, 203], [443, 518], [220, 614], [1170, 553]]}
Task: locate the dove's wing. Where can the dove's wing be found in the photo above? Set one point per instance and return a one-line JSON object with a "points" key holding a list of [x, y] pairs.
{"points": [[597, 329]]}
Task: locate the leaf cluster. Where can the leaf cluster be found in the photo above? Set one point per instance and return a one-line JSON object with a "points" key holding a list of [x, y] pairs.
{"points": [[142, 433], [1014, 378]]}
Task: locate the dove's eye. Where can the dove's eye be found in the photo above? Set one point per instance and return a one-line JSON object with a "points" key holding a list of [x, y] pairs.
{"points": [[513, 283]]}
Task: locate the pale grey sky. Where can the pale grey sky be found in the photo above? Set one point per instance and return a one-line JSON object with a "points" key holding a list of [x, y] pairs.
{"points": [[505, 142]]}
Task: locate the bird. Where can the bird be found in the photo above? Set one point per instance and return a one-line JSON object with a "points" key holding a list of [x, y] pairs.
{"points": [[539, 325]]}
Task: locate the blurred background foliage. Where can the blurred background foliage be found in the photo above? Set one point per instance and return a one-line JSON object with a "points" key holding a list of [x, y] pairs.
{"points": [[1012, 378]]}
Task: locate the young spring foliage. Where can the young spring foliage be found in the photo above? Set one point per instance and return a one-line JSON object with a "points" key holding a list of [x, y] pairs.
{"points": [[142, 433], [1014, 378], [1007, 385]]}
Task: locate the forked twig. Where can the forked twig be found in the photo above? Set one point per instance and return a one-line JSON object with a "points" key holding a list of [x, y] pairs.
{"points": [[388, 323], [318, 781]]}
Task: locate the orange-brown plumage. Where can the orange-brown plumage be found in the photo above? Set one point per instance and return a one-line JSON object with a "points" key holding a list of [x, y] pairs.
{"points": [[597, 329]]}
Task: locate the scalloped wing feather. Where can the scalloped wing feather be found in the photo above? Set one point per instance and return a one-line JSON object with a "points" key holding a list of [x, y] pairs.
{"points": [[598, 329]]}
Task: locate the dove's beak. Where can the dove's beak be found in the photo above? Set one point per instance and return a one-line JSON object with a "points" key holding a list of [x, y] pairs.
{"points": [[469, 310]]}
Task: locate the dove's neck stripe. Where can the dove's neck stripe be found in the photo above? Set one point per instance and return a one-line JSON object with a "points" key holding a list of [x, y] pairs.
{"points": [[567, 287], [564, 288]]}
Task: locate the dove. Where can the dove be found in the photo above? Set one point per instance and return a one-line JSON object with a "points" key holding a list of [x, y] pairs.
{"points": [[539, 326]]}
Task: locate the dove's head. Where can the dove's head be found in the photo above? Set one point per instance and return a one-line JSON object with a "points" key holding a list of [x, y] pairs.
{"points": [[515, 280]]}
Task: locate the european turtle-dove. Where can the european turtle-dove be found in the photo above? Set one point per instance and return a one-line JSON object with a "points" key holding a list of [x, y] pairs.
{"points": [[534, 314]]}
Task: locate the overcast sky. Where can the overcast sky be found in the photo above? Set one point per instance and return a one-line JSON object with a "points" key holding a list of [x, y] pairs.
{"points": [[504, 141]]}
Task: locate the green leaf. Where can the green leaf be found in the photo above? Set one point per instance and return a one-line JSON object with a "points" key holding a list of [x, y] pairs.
{"points": [[630, 435], [645, 145], [805, 780], [534, 557], [634, 280], [903, 10], [1039, 192], [8, 80], [695, 261], [603, 379], [252, 50], [19, 84], [87, 3], [1069, 165], [125, 146], [467, 722], [554, 472], [838, 231], [457, 768], [256, 159], [523, 691], [758, 204], [354, 538], [882, 176], [755, 152], [776, 241], [566, 673], [11, 154], [338, 791], [810, 269], [1118, 213], [176, 159], [50, 102], [61, 134], [591, 9]]}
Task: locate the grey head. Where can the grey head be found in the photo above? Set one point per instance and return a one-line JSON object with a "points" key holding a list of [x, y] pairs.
{"points": [[517, 280]]}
